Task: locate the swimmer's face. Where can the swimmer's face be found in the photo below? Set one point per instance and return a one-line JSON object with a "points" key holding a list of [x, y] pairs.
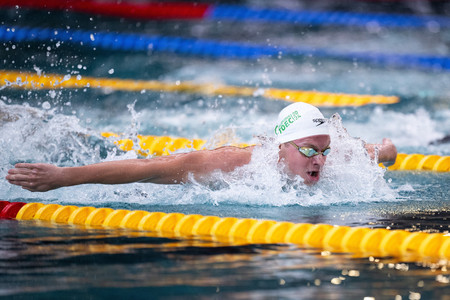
{"points": [[309, 168]]}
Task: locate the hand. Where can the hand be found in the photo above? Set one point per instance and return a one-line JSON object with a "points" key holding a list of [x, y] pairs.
{"points": [[387, 152], [36, 177]]}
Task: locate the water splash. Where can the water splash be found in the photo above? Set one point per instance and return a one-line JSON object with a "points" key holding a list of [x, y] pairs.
{"points": [[349, 176], [43, 135], [31, 134], [405, 129]]}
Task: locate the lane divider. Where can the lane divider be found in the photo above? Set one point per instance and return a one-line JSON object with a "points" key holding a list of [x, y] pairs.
{"points": [[188, 11], [165, 145], [156, 145], [211, 48], [153, 10], [28, 80], [421, 162], [340, 18], [371, 242]]}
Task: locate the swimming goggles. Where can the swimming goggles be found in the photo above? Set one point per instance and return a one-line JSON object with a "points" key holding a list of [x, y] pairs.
{"points": [[310, 152]]}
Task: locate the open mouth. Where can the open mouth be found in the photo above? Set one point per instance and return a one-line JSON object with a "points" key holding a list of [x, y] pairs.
{"points": [[313, 174]]}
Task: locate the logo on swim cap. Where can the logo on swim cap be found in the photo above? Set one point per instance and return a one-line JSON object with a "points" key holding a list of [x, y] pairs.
{"points": [[320, 121], [286, 122]]}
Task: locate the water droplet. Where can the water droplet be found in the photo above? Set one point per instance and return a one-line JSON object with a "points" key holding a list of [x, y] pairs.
{"points": [[336, 280], [46, 105]]}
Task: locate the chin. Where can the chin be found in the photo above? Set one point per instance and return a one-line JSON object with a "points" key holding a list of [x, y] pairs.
{"points": [[310, 183]]}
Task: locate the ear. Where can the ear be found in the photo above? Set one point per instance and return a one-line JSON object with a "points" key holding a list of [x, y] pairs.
{"points": [[280, 153]]}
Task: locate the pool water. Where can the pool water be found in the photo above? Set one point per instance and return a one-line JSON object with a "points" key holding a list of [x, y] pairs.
{"points": [[41, 260]]}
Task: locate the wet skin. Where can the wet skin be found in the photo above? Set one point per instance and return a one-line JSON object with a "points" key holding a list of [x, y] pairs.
{"points": [[177, 168], [309, 168]]}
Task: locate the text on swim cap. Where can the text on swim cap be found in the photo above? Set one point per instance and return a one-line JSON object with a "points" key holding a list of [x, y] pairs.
{"points": [[284, 124], [320, 121]]}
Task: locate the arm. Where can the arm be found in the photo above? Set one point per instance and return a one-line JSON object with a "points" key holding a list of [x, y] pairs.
{"points": [[387, 152], [164, 170]]}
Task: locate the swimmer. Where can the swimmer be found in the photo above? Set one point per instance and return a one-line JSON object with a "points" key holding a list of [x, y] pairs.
{"points": [[302, 134]]}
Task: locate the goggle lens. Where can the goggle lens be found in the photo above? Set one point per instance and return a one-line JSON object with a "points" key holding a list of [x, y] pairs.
{"points": [[310, 152]]}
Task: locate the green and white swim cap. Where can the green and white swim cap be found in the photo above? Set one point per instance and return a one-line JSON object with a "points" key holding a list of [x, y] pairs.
{"points": [[300, 120]]}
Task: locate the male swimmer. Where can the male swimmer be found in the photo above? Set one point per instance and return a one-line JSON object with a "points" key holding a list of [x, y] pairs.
{"points": [[302, 132]]}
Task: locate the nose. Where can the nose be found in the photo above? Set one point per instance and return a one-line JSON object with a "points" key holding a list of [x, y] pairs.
{"points": [[319, 159]]}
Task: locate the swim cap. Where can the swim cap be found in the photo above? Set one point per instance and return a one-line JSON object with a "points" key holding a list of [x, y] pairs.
{"points": [[300, 120]]}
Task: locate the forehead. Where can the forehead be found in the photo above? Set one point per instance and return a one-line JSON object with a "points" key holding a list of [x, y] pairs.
{"points": [[318, 141]]}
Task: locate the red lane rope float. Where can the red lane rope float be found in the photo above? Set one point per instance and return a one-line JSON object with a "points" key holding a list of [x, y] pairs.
{"points": [[184, 10], [10, 210], [155, 10], [378, 242]]}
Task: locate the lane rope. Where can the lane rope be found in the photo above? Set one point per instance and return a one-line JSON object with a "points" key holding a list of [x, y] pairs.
{"points": [[210, 48], [188, 11], [28, 80], [340, 18], [421, 162], [165, 145], [371, 242]]}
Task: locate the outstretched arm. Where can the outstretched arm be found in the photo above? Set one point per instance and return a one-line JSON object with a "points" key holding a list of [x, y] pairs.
{"points": [[165, 170], [387, 152]]}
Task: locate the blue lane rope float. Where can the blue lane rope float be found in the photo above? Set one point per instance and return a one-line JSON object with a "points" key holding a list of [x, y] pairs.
{"points": [[309, 17], [209, 48], [187, 11]]}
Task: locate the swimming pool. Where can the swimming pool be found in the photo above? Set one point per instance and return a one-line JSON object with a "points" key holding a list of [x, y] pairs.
{"points": [[63, 126]]}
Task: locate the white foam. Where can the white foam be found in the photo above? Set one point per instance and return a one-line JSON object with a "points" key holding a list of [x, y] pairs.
{"points": [[31, 134], [405, 129], [349, 176]]}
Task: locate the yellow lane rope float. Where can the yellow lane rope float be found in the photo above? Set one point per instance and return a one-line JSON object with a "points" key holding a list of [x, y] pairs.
{"points": [[164, 145], [53, 81], [421, 162], [371, 242]]}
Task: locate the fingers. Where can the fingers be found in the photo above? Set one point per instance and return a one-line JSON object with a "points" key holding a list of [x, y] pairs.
{"points": [[28, 176], [39, 177], [20, 180], [22, 174], [29, 185], [18, 177], [28, 166], [30, 170]]}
